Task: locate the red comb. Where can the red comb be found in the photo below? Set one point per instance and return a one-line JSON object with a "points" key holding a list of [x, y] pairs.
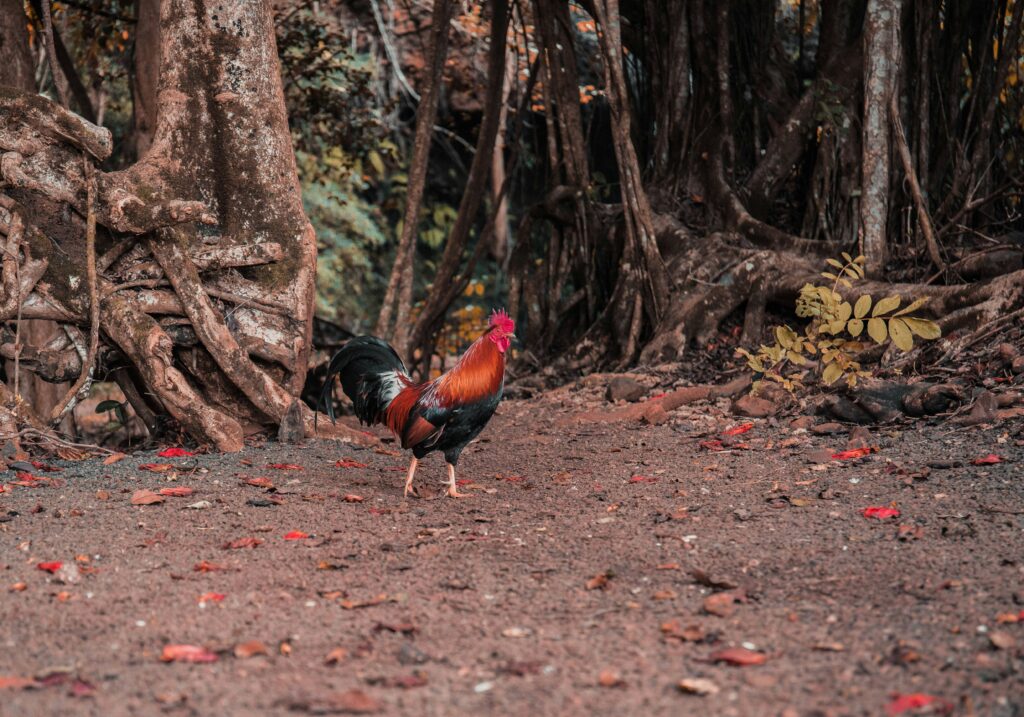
{"points": [[502, 321]]}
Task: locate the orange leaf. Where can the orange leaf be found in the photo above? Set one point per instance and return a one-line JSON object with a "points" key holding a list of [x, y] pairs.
{"points": [[187, 653], [987, 460], [852, 453], [353, 498], [50, 567], [114, 458], [156, 467], [880, 512], [212, 597], [242, 543], [902, 703], [249, 649], [260, 482], [204, 566], [349, 463], [738, 657], [146, 497], [599, 581], [738, 430], [296, 535], [13, 682], [285, 466], [178, 492]]}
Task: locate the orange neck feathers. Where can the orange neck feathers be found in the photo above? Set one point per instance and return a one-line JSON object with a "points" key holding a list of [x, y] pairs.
{"points": [[477, 375]]}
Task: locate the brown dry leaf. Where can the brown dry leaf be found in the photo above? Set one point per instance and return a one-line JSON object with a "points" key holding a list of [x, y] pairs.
{"points": [[146, 497], [114, 458], [260, 482], [336, 656], [245, 650], [242, 543], [610, 678], [738, 657], [1002, 640], [18, 587], [829, 647], [156, 467], [375, 600], [353, 702], [674, 630], [664, 595], [13, 682], [102, 495], [717, 582], [720, 604], [187, 653], [599, 581], [285, 648], [668, 566]]}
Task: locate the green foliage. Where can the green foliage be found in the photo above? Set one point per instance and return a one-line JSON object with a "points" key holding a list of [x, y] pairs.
{"points": [[835, 330]]}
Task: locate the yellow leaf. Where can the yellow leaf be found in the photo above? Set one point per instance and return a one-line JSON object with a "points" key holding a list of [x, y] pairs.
{"points": [[855, 327], [376, 161], [831, 374], [886, 305], [863, 304], [913, 306], [928, 330], [877, 330], [833, 262], [785, 336], [796, 358], [901, 335], [844, 311], [834, 327], [847, 258]]}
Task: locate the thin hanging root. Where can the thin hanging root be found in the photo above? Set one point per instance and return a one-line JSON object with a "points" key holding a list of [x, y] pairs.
{"points": [[80, 389]]}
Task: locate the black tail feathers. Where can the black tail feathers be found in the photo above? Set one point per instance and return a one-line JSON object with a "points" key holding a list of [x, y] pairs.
{"points": [[360, 363]]}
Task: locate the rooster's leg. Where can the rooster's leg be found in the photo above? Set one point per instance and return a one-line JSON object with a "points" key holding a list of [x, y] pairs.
{"points": [[408, 478], [452, 490]]}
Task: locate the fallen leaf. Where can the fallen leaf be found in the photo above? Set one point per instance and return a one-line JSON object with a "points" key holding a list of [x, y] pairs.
{"points": [[102, 495], [517, 631], [285, 466], [852, 453], [260, 482], [1002, 640], [375, 600], [829, 647], [664, 595], [187, 653], [336, 656], [697, 686], [18, 587], [712, 445], [880, 512], [349, 463], [80, 688], [174, 452], [738, 657], [13, 682], [902, 703], [738, 429], [156, 467], [176, 492], [353, 498], [212, 597], [296, 535], [242, 543], [667, 566], [610, 678], [987, 460], [249, 649], [51, 567], [673, 630], [353, 702], [643, 479], [200, 505], [146, 497], [114, 458], [204, 566], [720, 604], [599, 581], [404, 628], [285, 648], [707, 580], [406, 682]]}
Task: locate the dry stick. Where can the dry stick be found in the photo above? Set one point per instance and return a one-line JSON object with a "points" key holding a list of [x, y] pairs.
{"points": [[401, 272], [51, 53], [84, 382], [915, 187]]}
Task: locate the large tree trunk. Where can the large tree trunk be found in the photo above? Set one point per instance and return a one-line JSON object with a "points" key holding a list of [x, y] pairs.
{"points": [[218, 250]]}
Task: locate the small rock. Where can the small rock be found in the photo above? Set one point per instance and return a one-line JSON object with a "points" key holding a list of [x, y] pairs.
{"points": [[698, 686], [742, 514], [860, 437], [1007, 352], [827, 429], [805, 422], [1002, 640], [517, 631], [1017, 365], [753, 407], [655, 415], [622, 388], [985, 410], [409, 654]]}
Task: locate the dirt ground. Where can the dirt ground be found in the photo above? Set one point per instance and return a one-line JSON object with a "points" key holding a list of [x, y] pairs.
{"points": [[574, 581]]}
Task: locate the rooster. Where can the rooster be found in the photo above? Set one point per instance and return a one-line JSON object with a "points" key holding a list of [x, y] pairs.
{"points": [[444, 414]]}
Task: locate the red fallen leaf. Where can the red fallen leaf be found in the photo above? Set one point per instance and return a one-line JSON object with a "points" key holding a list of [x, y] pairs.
{"points": [[13, 682], [379, 511], [242, 543], [737, 430], [174, 452], [24, 476], [738, 657], [349, 463], [187, 653], [353, 498], [50, 567], [902, 703], [205, 566], [296, 535], [177, 492], [46, 467], [983, 461], [643, 479], [285, 466], [880, 512], [852, 453], [712, 445], [260, 482], [81, 688], [114, 458], [249, 649], [146, 497], [212, 597], [156, 467]]}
